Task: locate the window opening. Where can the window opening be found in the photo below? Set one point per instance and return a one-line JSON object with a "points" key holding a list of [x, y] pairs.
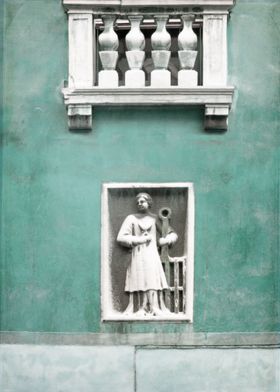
{"points": [[148, 27]]}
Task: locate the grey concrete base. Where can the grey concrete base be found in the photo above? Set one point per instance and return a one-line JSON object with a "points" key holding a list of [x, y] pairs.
{"points": [[35, 368], [66, 369], [207, 370]]}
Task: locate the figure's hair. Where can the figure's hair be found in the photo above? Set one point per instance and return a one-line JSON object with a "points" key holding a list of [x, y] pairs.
{"points": [[146, 196]]}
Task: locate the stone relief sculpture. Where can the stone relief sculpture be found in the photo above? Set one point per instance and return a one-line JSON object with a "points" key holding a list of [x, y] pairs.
{"points": [[147, 268], [144, 232]]}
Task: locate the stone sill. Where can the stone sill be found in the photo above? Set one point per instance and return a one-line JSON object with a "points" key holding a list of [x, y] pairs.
{"points": [[149, 96], [216, 100], [173, 318]]}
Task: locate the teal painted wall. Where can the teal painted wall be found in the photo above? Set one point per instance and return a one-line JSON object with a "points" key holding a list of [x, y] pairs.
{"points": [[52, 181]]}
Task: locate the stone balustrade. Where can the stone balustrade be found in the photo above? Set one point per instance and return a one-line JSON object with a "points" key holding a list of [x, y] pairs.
{"points": [[140, 52], [135, 43]]}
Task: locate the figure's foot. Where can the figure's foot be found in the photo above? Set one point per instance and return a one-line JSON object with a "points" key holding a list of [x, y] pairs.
{"points": [[162, 305], [141, 312], [164, 309], [156, 311], [129, 310]]}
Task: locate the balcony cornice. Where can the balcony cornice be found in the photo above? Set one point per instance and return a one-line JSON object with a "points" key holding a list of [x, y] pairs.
{"points": [[120, 6], [149, 96]]}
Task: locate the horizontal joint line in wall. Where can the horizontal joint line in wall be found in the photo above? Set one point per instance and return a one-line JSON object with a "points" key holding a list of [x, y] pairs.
{"points": [[208, 346]]}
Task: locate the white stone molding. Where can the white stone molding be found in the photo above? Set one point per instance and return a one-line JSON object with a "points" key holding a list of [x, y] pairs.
{"points": [[214, 49], [112, 307], [80, 25], [89, 86], [152, 96], [123, 5]]}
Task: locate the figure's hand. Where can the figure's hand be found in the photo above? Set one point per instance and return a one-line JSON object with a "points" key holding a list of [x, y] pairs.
{"points": [[164, 241], [145, 239]]}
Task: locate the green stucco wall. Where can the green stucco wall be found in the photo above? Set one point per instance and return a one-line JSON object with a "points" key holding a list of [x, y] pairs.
{"points": [[52, 181]]}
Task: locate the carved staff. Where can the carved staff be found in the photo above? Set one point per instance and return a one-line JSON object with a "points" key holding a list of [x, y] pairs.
{"points": [[164, 215]]}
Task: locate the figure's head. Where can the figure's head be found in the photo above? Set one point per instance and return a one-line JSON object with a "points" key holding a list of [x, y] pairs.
{"points": [[144, 201]]}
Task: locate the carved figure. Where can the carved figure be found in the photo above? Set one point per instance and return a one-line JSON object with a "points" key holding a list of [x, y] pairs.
{"points": [[145, 275]]}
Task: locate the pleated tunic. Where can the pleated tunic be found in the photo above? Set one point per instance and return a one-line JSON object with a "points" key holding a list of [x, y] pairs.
{"points": [[145, 271]]}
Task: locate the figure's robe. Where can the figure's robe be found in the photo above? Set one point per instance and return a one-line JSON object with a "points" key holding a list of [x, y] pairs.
{"points": [[145, 271]]}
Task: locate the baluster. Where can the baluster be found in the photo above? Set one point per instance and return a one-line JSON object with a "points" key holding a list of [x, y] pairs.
{"points": [[135, 43], [161, 42], [187, 43], [109, 43]]}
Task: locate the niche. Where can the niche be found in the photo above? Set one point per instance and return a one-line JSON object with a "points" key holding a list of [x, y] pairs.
{"points": [[147, 251]]}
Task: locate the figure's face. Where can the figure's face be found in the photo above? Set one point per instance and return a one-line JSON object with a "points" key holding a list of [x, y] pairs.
{"points": [[142, 204]]}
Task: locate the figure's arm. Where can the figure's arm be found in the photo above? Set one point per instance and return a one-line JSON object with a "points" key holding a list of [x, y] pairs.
{"points": [[169, 239], [126, 236]]}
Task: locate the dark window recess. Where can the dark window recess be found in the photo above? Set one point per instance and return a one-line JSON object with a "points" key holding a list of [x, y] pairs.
{"points": [[148, 67]]}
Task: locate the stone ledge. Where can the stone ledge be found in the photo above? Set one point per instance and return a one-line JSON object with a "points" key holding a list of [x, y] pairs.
{"points": [[149, 96], [216, 100], [188, 340]]}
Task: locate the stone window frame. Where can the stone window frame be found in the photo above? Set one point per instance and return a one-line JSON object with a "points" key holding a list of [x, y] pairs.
{"points": [[81, 95]]}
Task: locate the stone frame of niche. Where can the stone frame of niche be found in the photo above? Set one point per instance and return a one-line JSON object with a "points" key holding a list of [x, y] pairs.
{"points": [[118, 201], [81, 96]]}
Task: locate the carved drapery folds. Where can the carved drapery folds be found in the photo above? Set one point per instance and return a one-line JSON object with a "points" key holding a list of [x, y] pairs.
{"points": [[94, 55]]}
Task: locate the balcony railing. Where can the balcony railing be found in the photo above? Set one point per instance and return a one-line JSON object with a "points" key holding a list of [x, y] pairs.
{"points": [[124, 54], [148, 45]]}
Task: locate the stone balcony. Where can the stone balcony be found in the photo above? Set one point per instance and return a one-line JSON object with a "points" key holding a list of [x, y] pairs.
{"points": [[189, 37]]}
